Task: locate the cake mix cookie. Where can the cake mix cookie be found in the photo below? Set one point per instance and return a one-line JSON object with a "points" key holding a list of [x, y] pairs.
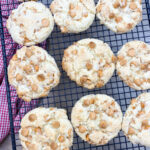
{"points": [[73, 16], [30, 23], [96, 118], [89, 62], [119, 15], [133, 65], [33, 72], [46, 129], [136, 122]]}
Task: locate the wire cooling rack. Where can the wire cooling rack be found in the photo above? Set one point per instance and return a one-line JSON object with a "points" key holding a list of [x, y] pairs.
{"points": [[67, 92]]}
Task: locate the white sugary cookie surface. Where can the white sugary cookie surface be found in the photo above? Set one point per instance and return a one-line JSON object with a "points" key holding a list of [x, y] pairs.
{"points": [[33, 72], [133, 65], [119, 15], [89, 62], [30, 23], [73, 16], [136, 122], [96, 118], [46, 129]]}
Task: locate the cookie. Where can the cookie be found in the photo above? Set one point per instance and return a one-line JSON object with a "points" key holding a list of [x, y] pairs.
{"points": [[96, 118], [136, 121], [119, 16], [46, 129], [33, 72], [73, 16], [133, 65], [89, 62], [30, 23]]}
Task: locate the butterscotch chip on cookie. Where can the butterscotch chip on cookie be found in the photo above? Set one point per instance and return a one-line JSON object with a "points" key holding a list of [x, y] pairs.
{"points": [[33, 72], [133, 65], [89, 62], [30, 23], [96, 118], [73, 16], [46, 129], [119, 15], [136, 121]]}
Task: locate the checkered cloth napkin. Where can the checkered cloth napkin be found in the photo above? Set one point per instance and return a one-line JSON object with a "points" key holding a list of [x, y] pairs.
{"points": [[18, 106]]}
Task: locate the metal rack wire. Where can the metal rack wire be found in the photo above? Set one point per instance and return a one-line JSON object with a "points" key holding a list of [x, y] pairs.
{"points": [[67, 92]]}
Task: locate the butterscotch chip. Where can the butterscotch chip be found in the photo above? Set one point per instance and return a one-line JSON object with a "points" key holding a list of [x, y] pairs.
{"points": [[82, 129], [32, 117], [92, 66], [27, 69], [73, 16], [118, 19], [136, 122], [143, 66], [53, 146], [112, 15], [133, 61], [15, 58], [30, 146], [89, 66], [145, 124], [116, 4], [19, 77], [25, 132], [129, 26], [123, 62], [46, 128], [99, 8], [114, 59], [36, 67], [142, 105], [100, 73], [140, 113], [87, 137], [131, 52], [92, 115], [133, 101], [56, 124], [92, 101], [41, 77], [103, 124], [61, 139], [70, 132], [45, 22], [92, 45], [29, 53], [34, 73], [133, 5], [124, 3], [34, 87], [92, 122], [38, 130], [71, 6], [100, 84], [138, 82], [120, 16], [30, 28], [85, 14], [46, 117], [131, 131], [111, 113], [75, 52], [83, 79], [86, 103]]}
